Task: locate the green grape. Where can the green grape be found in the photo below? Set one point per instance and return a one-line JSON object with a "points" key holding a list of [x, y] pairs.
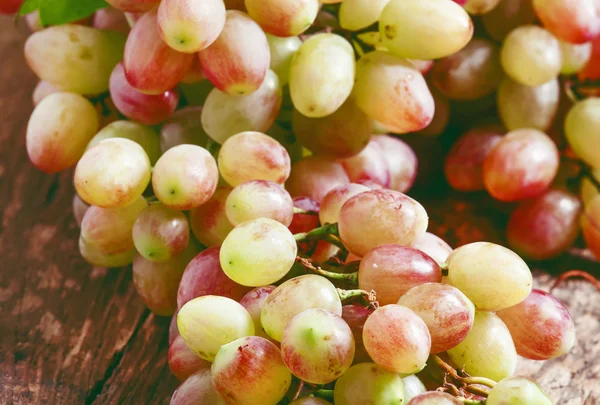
{"points": [[109, 230], [412, 387], [294, 296], [225, 115], [98, 258], [488, 350], [491, 276], [424, 29], [582, 128], [355, 15], [322, 75], [74, 57], [206, 323], [258, 252], [588, 189], [58, 130], [522, 106], [477, 7], [145, 136], [259, 199], [113, 173], [517, 391], [367, 383], [574, 56], [531, 55], [282, 50]]}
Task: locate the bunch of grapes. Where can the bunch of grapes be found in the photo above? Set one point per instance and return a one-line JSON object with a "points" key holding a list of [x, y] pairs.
{"points": [[244, 157]]}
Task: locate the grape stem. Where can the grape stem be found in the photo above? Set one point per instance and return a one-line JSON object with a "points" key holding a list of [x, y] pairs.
{"points": [[300, 386], [445, 268], [325, 394], [318, 233], [479, 380], [576, 273], [467, 384], [347, 294], [468, 401], [350, 277]]}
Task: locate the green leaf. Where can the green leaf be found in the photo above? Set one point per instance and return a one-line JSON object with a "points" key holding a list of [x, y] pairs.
{"points": [[55, 12]]}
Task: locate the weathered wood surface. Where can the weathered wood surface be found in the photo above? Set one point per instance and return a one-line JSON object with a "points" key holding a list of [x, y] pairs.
{"points": [[72, 334]]}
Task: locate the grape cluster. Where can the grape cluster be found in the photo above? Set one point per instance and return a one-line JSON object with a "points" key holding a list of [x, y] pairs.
{"points": [[238, 154]]}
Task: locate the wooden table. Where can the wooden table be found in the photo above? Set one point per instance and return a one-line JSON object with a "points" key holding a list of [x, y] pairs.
{"points": [[73, 334]]}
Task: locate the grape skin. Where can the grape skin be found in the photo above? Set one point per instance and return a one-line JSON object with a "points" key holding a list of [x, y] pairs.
{"points": [[334, 200], [368, 165], [183, 127], [282, 50], [434, 398], [575, 21], [590, 224], [517, 391], [368, 383], [582, 126], [508, 15], [433, 246], [254, 301], [209, 222], [197, 389], [401, 161], [259, 199], [283, 18], [183, 362], [314, 177]]}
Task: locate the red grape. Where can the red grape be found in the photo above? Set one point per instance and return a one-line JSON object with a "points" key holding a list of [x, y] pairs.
{"points": [[314, 177], [183, 362]]}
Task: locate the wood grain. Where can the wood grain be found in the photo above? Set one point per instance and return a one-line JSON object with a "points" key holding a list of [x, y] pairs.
{"points": [[73, 334]]}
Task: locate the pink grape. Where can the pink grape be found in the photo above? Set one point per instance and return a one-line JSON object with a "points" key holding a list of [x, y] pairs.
{"points": [[575, 21], [259, 199], [521, 165], [183, 127], [253, 156], [378, 217], [355, 316], [250, 371], [590, 225], [197, 389], [401, 161], [183, 362], [392, 270], [434, 246], [190, 25], [447, 312], [111, 19], [254, 301], [369, 164], [464, 163], [160, 233], [434, 398], [368, 383], [317, 346], [334, 200], [314, 177], [238, 61], [80, 207], [283, 18], [204, 276], [209, 221], [546, 226], [310, 401], [98, 258], [42, 90], [185, 177], [413, 387], [149, 109], [540, 326], [151, 66], [134, 6], [397, 339], [304, 222]]}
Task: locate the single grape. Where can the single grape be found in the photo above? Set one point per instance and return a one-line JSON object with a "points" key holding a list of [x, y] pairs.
{"points": [[190, 26], [250, 371], [253, 156], [282, 50], [144, 136], [523, 106], [429, 29], [183, 127], [113, 173], [592, 68], [314, 177], [590, 225], [42, 90], [160, 233], [225, 115], [317, 346], [183, 362], [238, 61], [341, 134], [209, 222], [441, 116], [464, 163], [392, 91], [111, 19], [517, 391], [204, 276], [197, 389], [334, 200], [369, 165], [322, 75], [546, 226], [574, 56], [491, 276], [446, 311], [157, 282], [412, 387], [572, 21], [355, 316], [582, 130], [294, 296], [254, 301], [259, 199], [355, 15], [540, 326], [58, 130], [477, 7], [434, 398], [471, 73], [283, 18], [397, 339], [133, 6], [149, 109], [209, 322], [588, 189], [185, 177], [506, 16], [74, 58], [151, 66], [310, 401], [258, 252], [531, 55], [379, 217], [392, 270], [522, 165], [97, 258], [434, 246], [368, 383], [401, 161], [80, 207], [488, 350]]}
